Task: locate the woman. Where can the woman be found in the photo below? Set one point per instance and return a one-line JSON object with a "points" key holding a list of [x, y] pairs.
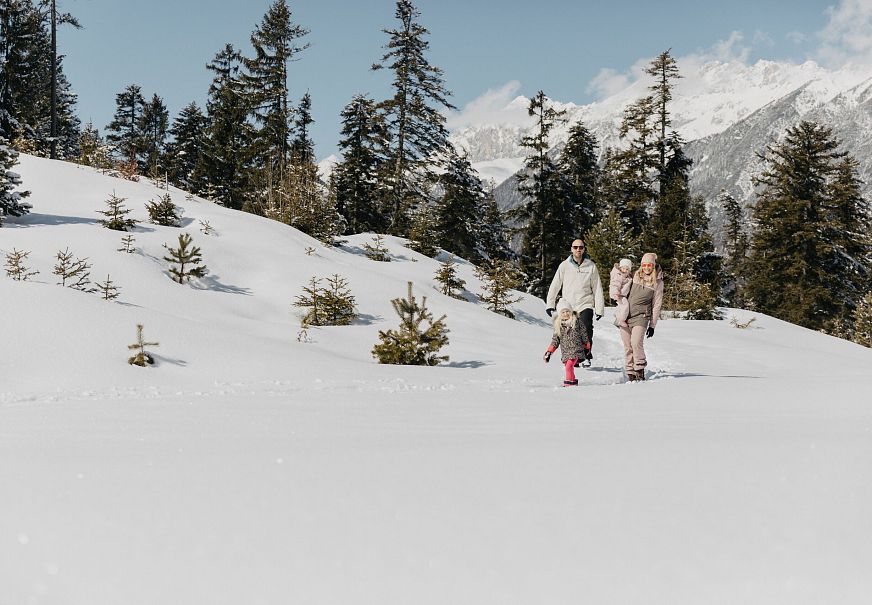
{"points": [[645, 299]]}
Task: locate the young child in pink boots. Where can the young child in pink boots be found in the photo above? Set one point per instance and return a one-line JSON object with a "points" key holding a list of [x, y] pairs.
{"points": [[620, 280], [570, 335]]}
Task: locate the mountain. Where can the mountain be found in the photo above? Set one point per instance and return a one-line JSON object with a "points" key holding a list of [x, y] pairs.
{"points": [[727, 111], [256, 463]]}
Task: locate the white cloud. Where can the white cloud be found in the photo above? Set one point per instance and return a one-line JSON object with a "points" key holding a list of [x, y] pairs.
{"points": [[847, 37], [608, 82], [797, 37], [495, 106]]}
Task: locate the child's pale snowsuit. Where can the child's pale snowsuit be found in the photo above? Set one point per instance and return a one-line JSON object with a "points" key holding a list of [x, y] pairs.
{"points": [[570, 336], [619, 287]]}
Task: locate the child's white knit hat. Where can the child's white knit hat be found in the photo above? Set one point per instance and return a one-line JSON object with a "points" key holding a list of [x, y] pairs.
{"points": [[563, 304], [626, 263]]}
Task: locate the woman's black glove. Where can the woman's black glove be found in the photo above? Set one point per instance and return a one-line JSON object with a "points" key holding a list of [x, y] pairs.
{"points": [[650, 332]]}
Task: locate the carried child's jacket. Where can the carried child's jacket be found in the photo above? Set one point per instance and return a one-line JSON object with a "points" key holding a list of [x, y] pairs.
{"points": [[619, 288], [570, 336]]}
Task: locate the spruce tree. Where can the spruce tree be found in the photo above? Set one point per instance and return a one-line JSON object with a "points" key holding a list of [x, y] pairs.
{"points": [[226, 150], [187, 257], [861, 329], [460, 209], [580, 168], [736, 244], [499, 279], [339, 306], [164, 212], [423, 229], [93, 150], [376, 250], [141, 358], [305, 206], [664, 69], [125, 129], [545, 215], [276, 42], [302, 145], [107, 289], [493, 235], [412, 344], [415, 124], [127, 244], [790, 273], [630, 170], [312, 300], [684, 294], [116, 214], [153, 126], [363, 143], [184, 152], [11, 201], [450, 283], [15, 267], [610, 240], [76, 271]]}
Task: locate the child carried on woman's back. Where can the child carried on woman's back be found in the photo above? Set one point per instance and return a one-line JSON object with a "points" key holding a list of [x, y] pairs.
{"points": [[570, 335], [620, 280]]}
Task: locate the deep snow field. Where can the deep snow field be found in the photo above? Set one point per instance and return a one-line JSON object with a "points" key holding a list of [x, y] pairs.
{"points": [[248, 467]]}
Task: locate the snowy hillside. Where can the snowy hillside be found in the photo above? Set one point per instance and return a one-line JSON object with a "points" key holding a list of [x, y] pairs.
{"points": [[250, 467]]}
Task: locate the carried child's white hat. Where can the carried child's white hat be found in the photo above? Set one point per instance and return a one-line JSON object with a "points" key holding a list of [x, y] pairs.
{"points": [[626, 263]]}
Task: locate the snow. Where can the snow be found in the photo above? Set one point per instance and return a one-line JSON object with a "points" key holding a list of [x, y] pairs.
{"points": [[250, 467]]}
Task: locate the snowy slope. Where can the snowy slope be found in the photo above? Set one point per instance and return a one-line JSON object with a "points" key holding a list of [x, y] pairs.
{"points": [[248, 467]]}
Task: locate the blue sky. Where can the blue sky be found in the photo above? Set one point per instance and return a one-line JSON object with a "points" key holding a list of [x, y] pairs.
{"points": [[560, 46]]}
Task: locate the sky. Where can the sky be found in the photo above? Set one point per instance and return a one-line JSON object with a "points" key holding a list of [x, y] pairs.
{"points": [[575, 51]]}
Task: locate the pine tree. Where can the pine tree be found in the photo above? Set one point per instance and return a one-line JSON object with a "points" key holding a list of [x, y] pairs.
{"points": [[630, 169], [664, 69], [359, 197], [790, 270], [187, 257], [11, 202], [493, 234], [499, 278], [108, 290], [127, 244], [116, 214], [861, 330], [423, 229], [610, 240], [305, 206], [684, 294], [226, 149], [376, 250], [75, 270], [184, 152], [302, 146], [312, 299], [580, 168], [412, 344], [460, 209], [142, 358], [415, 125], [736, 244], [125, 130], [545, 215], [93, 150], [276, 42], [164, 212], [451, 284], [153, 126], [15, 267], [339, 305]]}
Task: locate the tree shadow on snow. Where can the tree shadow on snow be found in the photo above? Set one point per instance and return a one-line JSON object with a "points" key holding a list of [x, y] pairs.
{"points": [[34, 219], [466, 364], [211, 282], [366, 320], [530, 319], [659, 374], [159, 359]]}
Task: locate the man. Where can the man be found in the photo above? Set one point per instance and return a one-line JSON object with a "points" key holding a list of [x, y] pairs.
{"points": [[579, 281]]}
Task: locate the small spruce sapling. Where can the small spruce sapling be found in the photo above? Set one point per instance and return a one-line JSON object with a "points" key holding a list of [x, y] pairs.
{"points": [[141, 358], [187, 258], [164, 212], [499, 278], [447, 276], [127, 244], [116, 214], [312, 300], [206, 228], [108, 290], [15, 267], [75, 271], [412, 344], [338, 301], [377, 250]]}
